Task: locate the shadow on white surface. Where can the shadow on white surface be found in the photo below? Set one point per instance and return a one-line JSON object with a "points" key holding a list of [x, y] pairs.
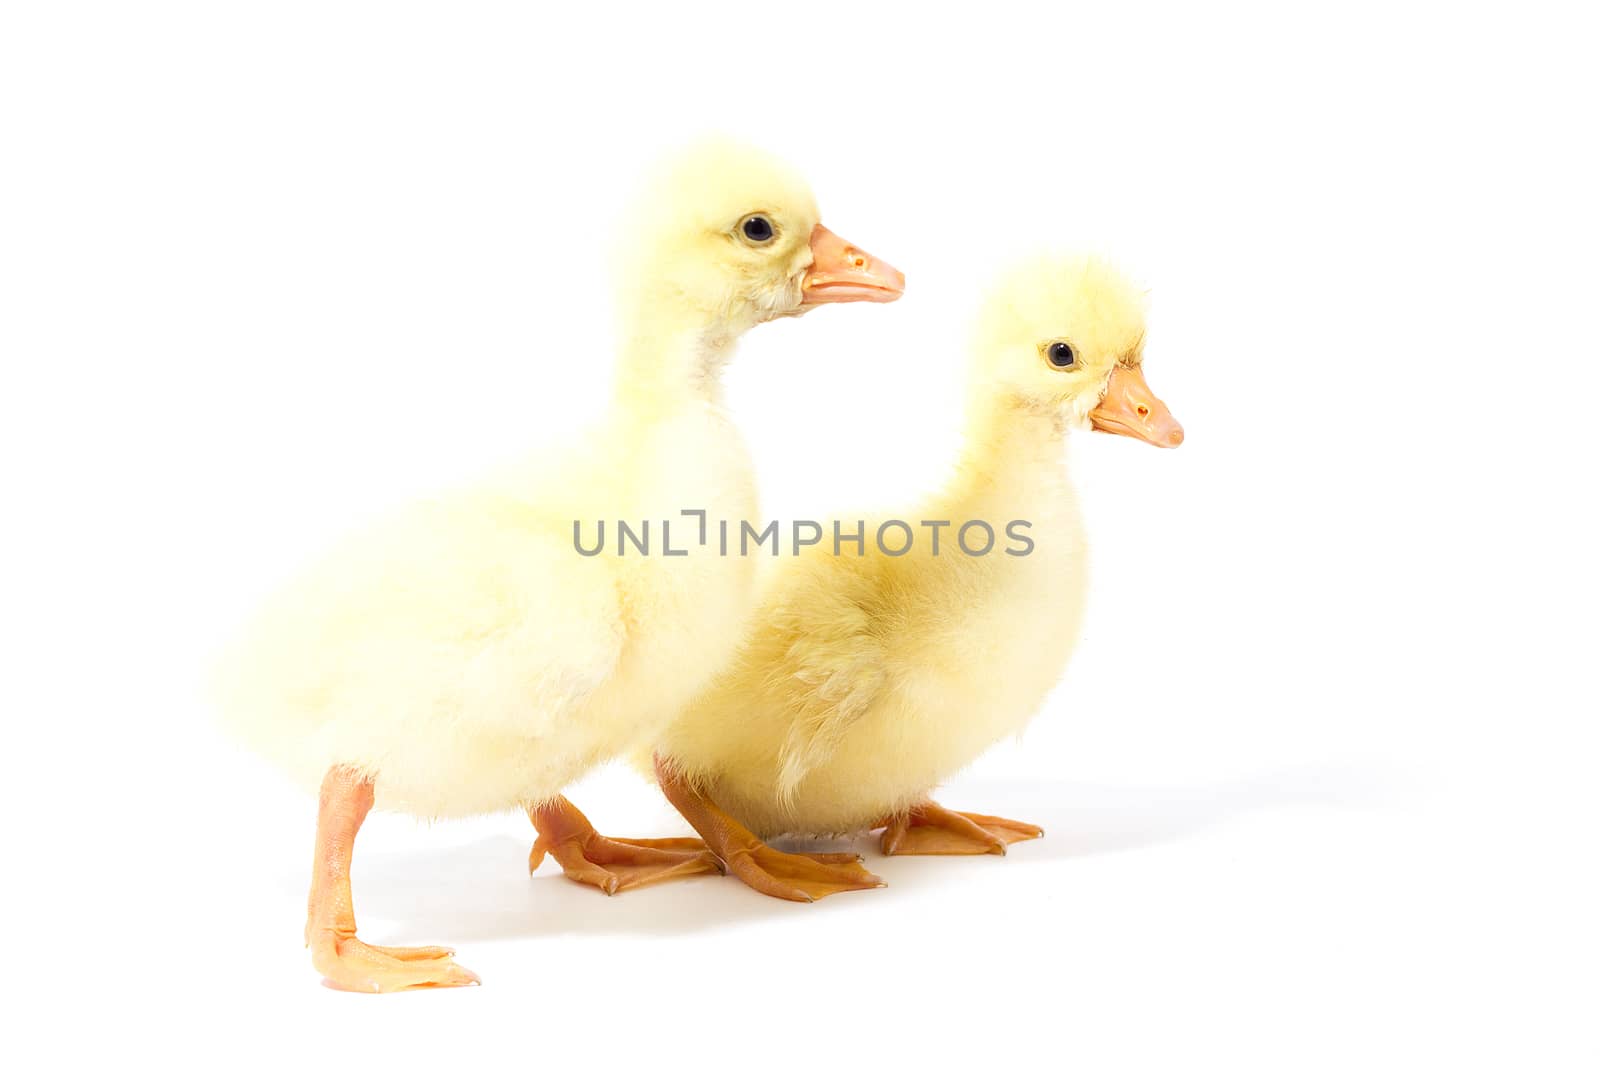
{"points": [[466, 893], [1082, 820]]}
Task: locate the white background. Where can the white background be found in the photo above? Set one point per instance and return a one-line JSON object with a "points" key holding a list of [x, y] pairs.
{"points": [[1320, 783]]}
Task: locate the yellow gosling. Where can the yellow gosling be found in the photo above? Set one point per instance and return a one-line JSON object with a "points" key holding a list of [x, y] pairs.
{"points": [[462, 657], [867, 680]]}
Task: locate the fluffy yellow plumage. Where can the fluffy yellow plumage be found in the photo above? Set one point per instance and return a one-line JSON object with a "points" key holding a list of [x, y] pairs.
{"points": [[463, 655], [466, 657], [868, 679]]}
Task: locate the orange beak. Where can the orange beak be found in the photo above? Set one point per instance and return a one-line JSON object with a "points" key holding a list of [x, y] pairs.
{"points": [[840, 272], [1132, 410]]}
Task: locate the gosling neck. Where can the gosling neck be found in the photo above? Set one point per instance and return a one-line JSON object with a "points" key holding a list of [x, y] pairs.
{"points": [[1013, 450], [671, 359]]}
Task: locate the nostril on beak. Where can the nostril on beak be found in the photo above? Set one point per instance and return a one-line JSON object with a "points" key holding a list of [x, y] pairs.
{"points": [[855, 257], [1144, 412]]}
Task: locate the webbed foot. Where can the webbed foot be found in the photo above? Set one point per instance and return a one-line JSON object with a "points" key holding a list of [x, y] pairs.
{"points": [[612, 864], [933, 830]]}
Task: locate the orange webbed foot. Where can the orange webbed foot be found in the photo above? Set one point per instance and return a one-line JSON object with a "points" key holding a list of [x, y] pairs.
{"points": [[348, 963], [612, 864], [802, 877], [345, 961], [933, 830]]}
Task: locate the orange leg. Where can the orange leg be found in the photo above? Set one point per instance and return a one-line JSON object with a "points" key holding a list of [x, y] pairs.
{"points": [[344, 961], [802, 878], [611, 863], [932, 830]]}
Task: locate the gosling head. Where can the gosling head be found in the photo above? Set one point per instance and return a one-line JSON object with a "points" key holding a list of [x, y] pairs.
{"points": [[733, 234], [1067, 335]]}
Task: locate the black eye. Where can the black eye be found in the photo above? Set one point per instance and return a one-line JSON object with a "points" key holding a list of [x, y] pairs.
{"points": [[1061, 354], [757, 229]]}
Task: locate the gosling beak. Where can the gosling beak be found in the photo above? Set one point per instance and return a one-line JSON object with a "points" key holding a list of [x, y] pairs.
{"points": [[840, 272], [1132, 410]]}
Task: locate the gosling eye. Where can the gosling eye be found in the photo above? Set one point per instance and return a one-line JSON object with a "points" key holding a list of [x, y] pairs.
{"points": [[757, 229], [1060, 354]]}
